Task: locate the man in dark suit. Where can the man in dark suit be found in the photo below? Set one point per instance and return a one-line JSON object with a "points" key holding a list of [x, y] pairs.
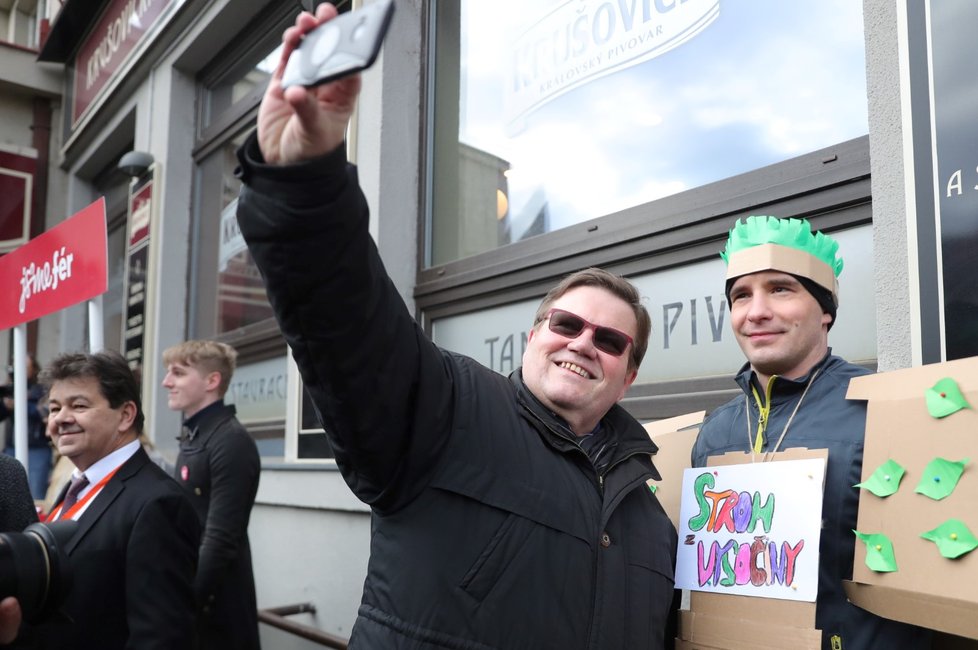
{"points": [[219, 467], [135, 550]]}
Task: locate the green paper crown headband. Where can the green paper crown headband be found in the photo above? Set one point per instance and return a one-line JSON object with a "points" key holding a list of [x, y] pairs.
{"points": [[787, 245]]}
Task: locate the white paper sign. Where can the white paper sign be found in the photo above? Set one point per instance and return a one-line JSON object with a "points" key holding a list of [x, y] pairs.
{"points": [[752, 530]]}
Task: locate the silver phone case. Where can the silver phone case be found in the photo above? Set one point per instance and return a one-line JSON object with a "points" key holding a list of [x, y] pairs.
{"points": [[347, 44]]}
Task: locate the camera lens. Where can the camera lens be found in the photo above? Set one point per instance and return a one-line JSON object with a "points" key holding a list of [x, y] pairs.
{"points": [[34, 567]]}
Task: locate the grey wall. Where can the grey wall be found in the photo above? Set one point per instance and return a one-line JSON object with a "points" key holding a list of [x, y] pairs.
{"points": [[892, 253], [309, 539]]}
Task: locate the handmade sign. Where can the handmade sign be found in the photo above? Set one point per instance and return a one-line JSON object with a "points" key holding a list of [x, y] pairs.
{"points": [[752, 529], [914, 558]]}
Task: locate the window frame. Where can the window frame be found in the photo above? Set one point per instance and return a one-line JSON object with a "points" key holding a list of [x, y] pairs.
{"points": [[829, 187]]}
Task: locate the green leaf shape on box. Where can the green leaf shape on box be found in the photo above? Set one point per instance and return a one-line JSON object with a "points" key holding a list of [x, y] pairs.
{"points": [[940, 478], [879, 552], [885, 480], [953, 539], [945, 398]]}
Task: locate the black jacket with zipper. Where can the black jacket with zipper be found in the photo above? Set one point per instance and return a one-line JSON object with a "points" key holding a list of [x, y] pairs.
{"points": [[490, 526]]}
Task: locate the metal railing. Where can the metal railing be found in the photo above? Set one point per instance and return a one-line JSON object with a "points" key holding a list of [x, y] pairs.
{"points": [[275, 616]]}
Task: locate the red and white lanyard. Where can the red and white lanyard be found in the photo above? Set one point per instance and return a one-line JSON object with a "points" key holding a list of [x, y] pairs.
{"points": [[80, 504]]}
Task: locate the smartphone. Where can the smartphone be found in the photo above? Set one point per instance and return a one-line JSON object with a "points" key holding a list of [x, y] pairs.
{"points": [[347, 44]]}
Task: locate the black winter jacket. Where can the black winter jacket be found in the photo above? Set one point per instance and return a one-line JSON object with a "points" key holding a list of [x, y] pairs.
{"points": [[825, 420], [490, 526], [219, 467]]}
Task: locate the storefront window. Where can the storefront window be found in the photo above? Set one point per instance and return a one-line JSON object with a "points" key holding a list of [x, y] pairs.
{"points": [[228, 300], [549, 113], [246, 81], [239, 297]]}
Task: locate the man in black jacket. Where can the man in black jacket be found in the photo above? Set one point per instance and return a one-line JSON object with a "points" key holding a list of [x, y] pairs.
{"points": [[218, 465], [506, 512]]}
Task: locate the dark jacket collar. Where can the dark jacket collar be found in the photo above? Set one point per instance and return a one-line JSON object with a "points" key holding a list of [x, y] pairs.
{"points": [[205, 418], [632, 437], [782, 386]]}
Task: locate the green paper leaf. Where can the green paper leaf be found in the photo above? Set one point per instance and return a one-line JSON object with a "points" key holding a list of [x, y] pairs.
{"points": [[945, 398], [940, 478], [885, 480], [953, 539], [879, 552], [654, 488]]}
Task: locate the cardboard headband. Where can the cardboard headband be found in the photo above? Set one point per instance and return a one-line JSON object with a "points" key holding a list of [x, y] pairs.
{"points": [[774, 257]]}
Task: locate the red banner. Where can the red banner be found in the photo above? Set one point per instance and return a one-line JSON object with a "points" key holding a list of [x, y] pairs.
{"points": [[66, 265]]}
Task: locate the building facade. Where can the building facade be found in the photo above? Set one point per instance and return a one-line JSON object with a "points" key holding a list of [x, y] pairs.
{"points": [[501, 146]]}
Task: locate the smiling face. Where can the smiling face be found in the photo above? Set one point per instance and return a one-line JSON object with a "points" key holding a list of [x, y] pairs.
{"points": [[778, 324], [572, 377], [82, 424], [189, 389]]}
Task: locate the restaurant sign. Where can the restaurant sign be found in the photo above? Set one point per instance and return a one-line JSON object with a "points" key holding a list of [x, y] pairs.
{"points": [[122, 26]]}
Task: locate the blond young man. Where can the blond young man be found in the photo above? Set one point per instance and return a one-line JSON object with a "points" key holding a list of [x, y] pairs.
{"points": [[218, 465]]}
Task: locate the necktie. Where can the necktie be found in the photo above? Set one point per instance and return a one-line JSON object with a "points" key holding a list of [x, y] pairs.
{"points": [[77, 485]]}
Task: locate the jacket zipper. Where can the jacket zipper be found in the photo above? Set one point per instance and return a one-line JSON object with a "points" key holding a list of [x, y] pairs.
{"points": [[764, 413]]}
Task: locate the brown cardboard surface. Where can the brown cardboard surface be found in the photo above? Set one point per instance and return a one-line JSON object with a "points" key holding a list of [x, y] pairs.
{"points": [[944, 614], [682, 644], [731, 633], [673, 424], [927, 589], [781, 258], [675, 440], [789, 613]]}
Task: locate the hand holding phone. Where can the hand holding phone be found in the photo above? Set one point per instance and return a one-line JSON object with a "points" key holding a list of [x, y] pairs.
{"points": [[347, 44]]}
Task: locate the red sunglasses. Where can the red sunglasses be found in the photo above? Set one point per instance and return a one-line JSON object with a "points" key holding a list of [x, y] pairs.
{"points": [[606, 339]]}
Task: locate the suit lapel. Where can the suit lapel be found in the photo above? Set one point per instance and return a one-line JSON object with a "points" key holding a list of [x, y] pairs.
{"points": [[109, 493]]}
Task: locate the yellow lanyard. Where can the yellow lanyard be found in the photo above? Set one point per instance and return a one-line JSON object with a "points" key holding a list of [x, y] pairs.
{"points": [[765, 413]]}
